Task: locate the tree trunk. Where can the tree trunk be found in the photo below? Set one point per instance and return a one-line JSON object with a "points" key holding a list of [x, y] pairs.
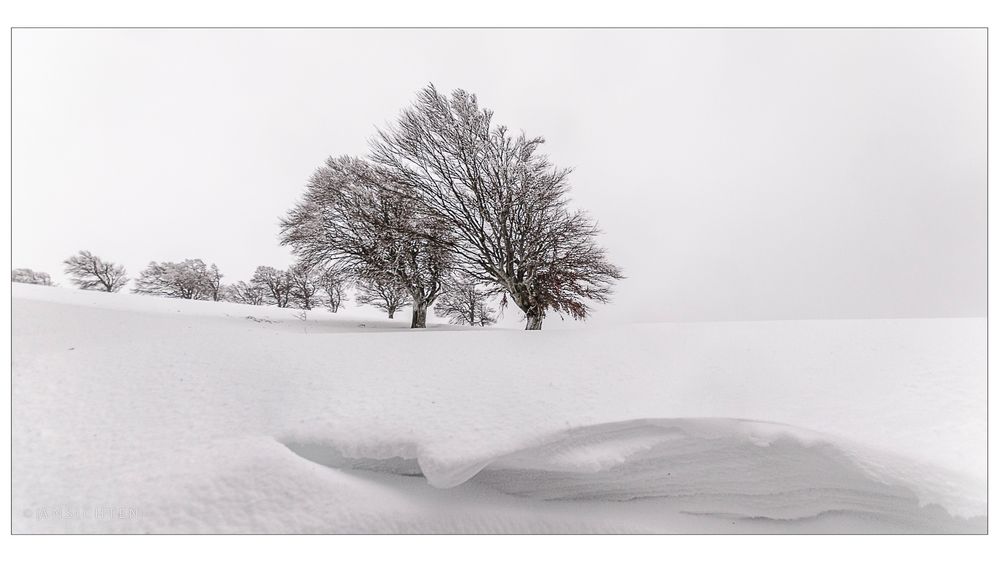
{"points": [[534, 321], [419, 315], [535, 314], [391, 314]]}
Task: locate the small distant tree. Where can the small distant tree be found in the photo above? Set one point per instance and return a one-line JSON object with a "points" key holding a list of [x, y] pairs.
{"points": [[464, 302], [189, 279], [214, 283], [334, 283], [31, 277], [91, 273], [275, 283], [384, 294], [305, 287], [245, 293]]}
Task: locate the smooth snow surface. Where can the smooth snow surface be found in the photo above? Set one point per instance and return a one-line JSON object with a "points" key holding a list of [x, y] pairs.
{"points": [[140, 414]]}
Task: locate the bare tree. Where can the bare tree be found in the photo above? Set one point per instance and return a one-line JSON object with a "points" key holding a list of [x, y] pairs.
{"points": [[25, 275], [305, 286], [91, 273], [334, 283], [351, 218], [506, 205], [244, 293], [464, 302], [275, 283], [214, 283], [189, 279], [384, 294]]}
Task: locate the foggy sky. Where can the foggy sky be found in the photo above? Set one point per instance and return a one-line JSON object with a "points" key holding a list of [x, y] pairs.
{"points": [[736, 174]]}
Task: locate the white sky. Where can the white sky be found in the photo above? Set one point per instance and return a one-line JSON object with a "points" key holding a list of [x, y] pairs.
{"points": [[737, 174]]}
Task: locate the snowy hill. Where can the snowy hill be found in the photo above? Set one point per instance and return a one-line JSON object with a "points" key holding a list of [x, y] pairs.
{"points": [[140, 414]]}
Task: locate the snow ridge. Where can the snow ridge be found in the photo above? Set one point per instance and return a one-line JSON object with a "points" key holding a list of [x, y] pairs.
{"points": [[731, 467]]}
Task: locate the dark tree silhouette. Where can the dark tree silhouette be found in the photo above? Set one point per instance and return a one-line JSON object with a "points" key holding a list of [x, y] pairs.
{"points": [[351, 217], [504, 202], [91, 273]]}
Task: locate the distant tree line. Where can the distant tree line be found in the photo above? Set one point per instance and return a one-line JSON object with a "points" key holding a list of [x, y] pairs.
{"points": [[193, 279], [299, 286], [29, 276]]}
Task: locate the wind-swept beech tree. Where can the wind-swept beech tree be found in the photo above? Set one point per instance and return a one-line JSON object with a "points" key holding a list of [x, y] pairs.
{"points": [[384, 294], [334, 283], [189, 279], [275, 283], [91, 273], [464, 302], [352, 217], [504, 202]]}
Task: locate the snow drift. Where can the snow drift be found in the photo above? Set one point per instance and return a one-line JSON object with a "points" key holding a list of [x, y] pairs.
{"points": [[214, 417], [735, 468]]}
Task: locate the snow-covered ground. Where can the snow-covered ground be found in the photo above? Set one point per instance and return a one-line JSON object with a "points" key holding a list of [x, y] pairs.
{"points": [[140, 414]]}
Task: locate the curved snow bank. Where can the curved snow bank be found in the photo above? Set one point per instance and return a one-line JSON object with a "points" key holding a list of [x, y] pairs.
{"points": [[730, 467]]}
